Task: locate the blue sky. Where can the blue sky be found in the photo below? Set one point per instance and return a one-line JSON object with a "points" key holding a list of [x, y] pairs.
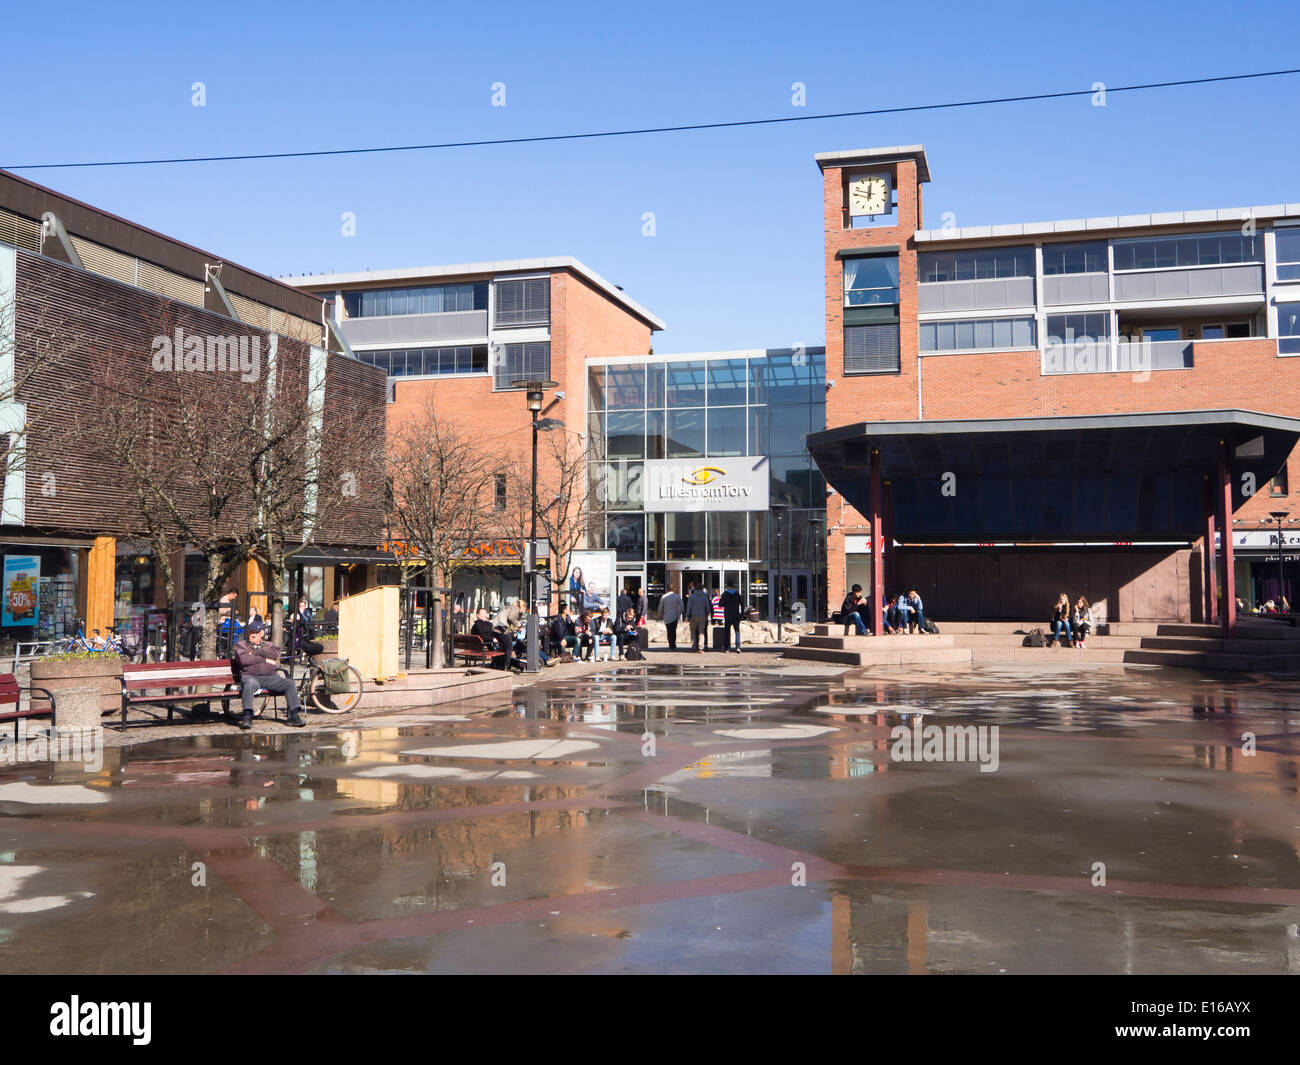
{"points": [[735, 261]]}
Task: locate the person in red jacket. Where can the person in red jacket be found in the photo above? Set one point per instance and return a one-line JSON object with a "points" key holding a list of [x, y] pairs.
{"points": [[256, 664]]}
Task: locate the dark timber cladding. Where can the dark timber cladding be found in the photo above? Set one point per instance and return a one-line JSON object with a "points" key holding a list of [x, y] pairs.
{"points": [[1105, 478]]}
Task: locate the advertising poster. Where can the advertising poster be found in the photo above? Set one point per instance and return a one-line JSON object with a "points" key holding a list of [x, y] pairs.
{"points": [[22, 578], [591, 579]]}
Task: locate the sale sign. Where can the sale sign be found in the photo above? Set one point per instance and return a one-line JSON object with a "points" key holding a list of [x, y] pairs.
{"points": [[22, 578]]}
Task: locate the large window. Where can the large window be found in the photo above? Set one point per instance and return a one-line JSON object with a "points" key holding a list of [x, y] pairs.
{"points": [[1075, 258], [1288, 253], [871, 348], [1288, 328], [426, 299], [522, 362], [977, 334], [525, 301], [1067, 328], [414, 362], [870, 281], [1215, 249], [976, 265]]}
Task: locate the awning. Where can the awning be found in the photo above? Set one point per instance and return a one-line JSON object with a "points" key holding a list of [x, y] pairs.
{"points": [[1118, 477]]}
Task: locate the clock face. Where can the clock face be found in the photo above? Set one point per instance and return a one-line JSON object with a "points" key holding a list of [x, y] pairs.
{"points": [[869, 195]]}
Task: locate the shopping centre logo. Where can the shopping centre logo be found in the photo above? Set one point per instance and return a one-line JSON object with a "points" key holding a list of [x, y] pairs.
{"points": [[205, 353], [84, 745], [948, 743], [704, 475]]}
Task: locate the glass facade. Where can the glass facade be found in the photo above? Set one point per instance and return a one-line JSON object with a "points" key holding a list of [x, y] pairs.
{"points": [[710, 408]]}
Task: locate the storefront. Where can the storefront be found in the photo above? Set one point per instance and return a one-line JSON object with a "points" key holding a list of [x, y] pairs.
{"points": [[1262, 573], [700, 472], [39, 593]]}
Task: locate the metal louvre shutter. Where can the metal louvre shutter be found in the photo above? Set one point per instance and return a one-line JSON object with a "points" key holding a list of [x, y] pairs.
{"points": [[523, 302], [20, 232], [871, 348], [522, 362]]}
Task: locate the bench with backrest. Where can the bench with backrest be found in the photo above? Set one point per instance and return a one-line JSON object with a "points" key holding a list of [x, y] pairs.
{"points": [[471, 649], [11, 696], [179, 685]]}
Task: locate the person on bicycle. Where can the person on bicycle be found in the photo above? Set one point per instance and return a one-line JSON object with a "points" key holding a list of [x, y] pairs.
{"points": [[256, 666]]}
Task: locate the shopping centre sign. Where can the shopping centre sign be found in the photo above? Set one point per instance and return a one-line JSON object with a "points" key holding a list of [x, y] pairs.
{"points": [[692, 485]]}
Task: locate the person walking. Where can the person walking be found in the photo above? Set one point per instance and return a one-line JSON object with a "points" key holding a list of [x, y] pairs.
{"points": [[731, 605], [698, 612], [670, 611]]}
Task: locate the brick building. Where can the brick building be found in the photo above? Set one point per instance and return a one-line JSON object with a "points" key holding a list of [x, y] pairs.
{"points": [[1047, 329], [82, 282], [462, 335]]}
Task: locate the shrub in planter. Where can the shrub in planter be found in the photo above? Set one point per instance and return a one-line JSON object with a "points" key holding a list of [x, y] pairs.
{"points": [[80, 669]]}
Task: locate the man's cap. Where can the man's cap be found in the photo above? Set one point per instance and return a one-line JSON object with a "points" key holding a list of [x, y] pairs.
{"points": [[256, 625]]}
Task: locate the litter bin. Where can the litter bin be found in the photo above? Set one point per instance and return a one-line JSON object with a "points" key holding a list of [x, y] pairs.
{"points": [[719, 637], [643, 639]]}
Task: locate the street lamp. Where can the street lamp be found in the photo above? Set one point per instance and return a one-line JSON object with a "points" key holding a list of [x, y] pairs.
{"points": [[536, 395], [1280, 516], [779, 509]]}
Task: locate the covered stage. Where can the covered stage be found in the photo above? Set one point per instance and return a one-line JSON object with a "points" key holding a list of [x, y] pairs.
{"points": [[1096, 481]]}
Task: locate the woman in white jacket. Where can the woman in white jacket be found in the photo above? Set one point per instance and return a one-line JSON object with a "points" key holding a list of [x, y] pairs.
{"points": [[1082, 621]]}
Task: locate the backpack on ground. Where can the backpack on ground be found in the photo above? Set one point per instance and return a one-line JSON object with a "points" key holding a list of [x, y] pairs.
{"points": [[633, 653], [931, 627], [1034, 639]]}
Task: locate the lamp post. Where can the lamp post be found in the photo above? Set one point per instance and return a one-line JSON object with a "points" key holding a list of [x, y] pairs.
{"points": [[1280, 516], [778, 597], [536, 395]]}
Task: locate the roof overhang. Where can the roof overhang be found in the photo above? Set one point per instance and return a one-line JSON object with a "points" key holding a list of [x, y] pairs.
{"points": [[874, 156], [1095, 477]]}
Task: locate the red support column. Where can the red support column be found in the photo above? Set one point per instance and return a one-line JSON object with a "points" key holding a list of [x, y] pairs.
{"points": [[1207, 560], [1227, 578], [877, 545], [887, 578]]}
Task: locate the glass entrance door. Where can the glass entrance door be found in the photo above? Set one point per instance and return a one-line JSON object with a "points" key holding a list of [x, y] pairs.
{"points": [[794, 592]]}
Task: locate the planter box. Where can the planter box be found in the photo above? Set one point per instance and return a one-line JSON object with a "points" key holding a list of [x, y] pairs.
{"points": [[104, 672]]}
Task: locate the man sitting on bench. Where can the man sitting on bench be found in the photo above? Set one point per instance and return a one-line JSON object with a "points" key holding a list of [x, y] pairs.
{"points": [[256, 663]]}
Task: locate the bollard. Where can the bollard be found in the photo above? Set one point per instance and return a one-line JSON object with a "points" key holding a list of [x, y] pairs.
{"points": [[435, 636]]}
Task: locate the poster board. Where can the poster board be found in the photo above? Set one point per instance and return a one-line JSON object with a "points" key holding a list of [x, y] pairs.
{"points": [[590, 584], [22, 579]]}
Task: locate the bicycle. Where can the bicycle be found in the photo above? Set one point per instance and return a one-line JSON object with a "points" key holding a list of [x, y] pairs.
{"points": [[316, 688]]}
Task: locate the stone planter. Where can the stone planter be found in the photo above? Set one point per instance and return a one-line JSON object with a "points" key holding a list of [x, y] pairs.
{"points": [[103, 673]]}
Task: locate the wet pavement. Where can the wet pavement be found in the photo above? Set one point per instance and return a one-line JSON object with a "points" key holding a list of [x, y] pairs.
{"points": [[679, 818]]}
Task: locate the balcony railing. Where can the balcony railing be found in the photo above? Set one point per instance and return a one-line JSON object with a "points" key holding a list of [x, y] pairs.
{"points": [[1106, 356]]}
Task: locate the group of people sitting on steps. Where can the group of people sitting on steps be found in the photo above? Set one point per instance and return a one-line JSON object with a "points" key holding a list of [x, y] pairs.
{"points": [[904, 613], [1071, 625]]}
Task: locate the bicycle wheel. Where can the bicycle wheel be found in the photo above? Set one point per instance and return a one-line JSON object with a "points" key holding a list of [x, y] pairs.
{"points": [[329, 702]]}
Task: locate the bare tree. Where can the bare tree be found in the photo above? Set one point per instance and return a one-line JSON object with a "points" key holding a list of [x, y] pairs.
{"points": [[440, 477], [565, 499]]}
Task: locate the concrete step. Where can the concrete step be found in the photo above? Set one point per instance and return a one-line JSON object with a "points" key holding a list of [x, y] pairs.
{"points": [[871, 642], [882, 654]]}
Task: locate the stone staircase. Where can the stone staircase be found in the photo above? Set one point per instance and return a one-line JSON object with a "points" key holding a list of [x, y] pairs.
{"points": [[1257, 645]]}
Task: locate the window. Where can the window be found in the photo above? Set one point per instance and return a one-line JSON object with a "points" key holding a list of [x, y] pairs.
{"points": [[977, 334], [522, 362], [525, 301], [499, 497], [408, 362], [1074, 258], [1288, 328], [1214, 249], [975, 265], [871, 348], [1067, 328], [1278, 486], [1288, 253], [426, 299], [870, 281]]}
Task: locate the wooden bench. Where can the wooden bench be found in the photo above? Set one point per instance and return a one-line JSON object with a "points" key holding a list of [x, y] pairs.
{"points": [[11, 694], [180, 684], [470, 647]]}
